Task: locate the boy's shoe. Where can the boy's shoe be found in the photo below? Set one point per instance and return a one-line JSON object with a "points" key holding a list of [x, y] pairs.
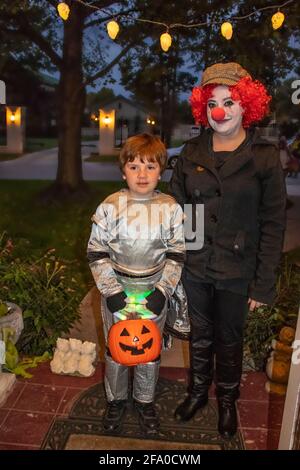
{"points": [[148, 418], [114, 414]]}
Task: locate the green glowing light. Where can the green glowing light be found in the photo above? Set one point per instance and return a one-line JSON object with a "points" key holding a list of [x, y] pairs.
{"points": [[136, 298]]}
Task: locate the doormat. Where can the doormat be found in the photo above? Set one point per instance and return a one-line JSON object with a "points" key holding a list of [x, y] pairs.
{"points": [[83, 429]]}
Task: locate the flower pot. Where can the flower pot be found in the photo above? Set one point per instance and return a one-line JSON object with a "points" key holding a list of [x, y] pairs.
{"points": [[13, 319]]}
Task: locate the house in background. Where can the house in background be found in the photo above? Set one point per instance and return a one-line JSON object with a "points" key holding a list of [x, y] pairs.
{"points": [[131, 118], [36, 91]]}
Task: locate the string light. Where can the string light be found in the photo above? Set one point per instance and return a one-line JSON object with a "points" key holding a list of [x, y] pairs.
{"points": [[63, 10], [112, 29], [277, 20], [166, 39], [226, 30]]}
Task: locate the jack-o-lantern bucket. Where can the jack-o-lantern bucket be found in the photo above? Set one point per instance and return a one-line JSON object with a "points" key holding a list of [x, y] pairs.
{"points": [[133, 342]]}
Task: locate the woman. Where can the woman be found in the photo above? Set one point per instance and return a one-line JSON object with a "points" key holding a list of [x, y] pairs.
{"points": [[238, 177]]}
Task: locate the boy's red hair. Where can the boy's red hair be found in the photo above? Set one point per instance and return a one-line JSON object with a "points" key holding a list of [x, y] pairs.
{"points": [[252, 95]]}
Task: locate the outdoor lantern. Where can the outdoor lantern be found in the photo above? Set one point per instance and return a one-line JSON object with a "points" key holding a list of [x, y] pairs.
{"points": [[63, 10], [165, 41], [150, 121], [226, 30], [106, 120], [132, 342], [112, 29], [13, 118], [277, 20]]}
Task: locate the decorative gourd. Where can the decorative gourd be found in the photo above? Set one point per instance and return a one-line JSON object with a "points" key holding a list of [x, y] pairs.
{"points": [[133, 342]]}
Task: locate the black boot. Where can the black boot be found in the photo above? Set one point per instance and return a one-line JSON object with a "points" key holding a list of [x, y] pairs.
{"points": [[148, 418], [227, 423], [201, 354], [229, 359], [114, 414], [188, 408]]}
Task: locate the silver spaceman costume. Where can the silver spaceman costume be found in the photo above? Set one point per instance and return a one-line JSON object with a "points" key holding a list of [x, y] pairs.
{"points": [[135, 245]]}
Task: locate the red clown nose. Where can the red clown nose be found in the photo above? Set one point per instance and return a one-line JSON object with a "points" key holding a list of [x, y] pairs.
{"points": [[218, 114]]}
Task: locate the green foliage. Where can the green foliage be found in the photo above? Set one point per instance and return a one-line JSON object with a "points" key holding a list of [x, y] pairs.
{"points": [[264, 323], [11, 353], [44, 290], [64, 226]]}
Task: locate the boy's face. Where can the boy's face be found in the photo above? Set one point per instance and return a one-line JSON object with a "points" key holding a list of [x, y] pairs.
{"points": [[142, 178]]}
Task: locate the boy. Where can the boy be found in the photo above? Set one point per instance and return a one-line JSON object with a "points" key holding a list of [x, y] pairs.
{"points": [[136, 245]]}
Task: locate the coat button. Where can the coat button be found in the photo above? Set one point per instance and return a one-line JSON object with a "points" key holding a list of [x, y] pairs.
{"points": [[209, 240], [213, 218], [236, 246], [218, 193]]}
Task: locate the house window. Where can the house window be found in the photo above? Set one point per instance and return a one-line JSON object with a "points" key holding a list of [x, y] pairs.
{"points": [[119, 105]]}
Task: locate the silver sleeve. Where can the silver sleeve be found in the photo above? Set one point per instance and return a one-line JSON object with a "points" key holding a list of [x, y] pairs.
{"points": [[105, 277], [98, 253]]}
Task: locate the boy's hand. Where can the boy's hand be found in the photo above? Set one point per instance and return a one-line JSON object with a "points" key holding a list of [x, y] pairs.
{"points": [[116, 302], [156, 301]]}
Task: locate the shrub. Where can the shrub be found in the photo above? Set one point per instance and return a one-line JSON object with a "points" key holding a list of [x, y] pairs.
{"points": [[264, 323], [43, 288]]}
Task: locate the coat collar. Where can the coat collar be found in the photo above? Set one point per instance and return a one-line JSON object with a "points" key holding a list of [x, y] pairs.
{"points": [[201, 152]]}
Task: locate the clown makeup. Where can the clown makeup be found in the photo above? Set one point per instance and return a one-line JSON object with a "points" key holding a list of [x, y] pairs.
{"points": [[223, 113]]}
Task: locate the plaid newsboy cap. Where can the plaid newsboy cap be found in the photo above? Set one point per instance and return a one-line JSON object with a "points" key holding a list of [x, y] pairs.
{"points": [[224, 74]]}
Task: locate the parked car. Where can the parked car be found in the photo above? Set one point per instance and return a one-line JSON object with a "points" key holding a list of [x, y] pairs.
{"points": [[173, 154]]}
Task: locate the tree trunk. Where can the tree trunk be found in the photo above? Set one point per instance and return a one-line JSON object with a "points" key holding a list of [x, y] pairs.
{"points": [[71, 96]]}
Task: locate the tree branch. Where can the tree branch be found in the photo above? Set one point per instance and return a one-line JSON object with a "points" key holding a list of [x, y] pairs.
{"points": [[102, 20], [41, 42], [108, 67], [27, 30]]}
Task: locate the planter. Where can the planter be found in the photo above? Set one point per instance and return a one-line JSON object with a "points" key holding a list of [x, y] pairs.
{"points": [[13, 319]]}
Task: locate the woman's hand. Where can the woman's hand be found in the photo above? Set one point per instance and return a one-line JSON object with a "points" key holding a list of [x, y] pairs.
{"points": [[253, 304]]}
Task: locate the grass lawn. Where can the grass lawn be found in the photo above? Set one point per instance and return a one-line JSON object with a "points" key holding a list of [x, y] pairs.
{"points": [[8, 156], [176, 142], [33, 144], [64, 227], [95, 157]]}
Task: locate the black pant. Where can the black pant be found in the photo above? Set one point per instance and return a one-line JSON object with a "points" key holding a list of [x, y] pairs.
{"points": [[217, 323]]}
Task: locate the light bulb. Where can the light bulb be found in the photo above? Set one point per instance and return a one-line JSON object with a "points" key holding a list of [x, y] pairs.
{"points": [[112, 29], [165, 41], [63, 10], [226, 30], [277, 20]]}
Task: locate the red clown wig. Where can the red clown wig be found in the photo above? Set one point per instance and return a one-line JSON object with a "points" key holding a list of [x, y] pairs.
{"points": [[251, 94]]}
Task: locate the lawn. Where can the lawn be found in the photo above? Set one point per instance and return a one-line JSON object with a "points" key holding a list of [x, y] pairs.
{"points": [[95, 157], [33, 144], [64, 227], [8, 156]]}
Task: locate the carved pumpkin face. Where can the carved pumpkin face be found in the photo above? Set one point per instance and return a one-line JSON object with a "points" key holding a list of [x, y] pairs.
{"points": [[133, 342]]}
